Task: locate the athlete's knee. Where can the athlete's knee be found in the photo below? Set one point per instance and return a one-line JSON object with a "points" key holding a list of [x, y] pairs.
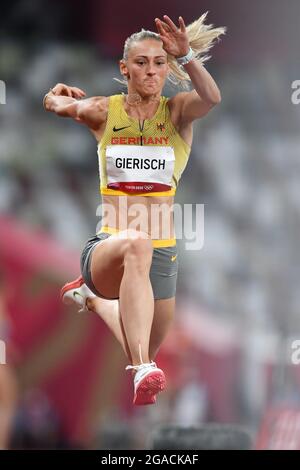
{"points": [[138, 251]]}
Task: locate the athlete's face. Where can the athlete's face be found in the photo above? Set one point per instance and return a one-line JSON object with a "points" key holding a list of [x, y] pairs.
{"points": [[146, 67]]}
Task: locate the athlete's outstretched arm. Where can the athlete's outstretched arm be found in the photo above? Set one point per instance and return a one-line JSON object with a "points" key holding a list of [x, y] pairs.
{"points": [[196, 103], [66, 101]]}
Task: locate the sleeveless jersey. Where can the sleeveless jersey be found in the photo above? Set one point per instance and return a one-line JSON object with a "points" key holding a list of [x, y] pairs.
{"points": [[140, 159]]}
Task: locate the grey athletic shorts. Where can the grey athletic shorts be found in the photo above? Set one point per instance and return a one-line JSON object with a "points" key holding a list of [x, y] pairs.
{"points": [[163, 271]]}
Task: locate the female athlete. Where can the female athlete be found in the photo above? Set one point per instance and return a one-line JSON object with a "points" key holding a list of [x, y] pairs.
{"points": [[129, 268]]}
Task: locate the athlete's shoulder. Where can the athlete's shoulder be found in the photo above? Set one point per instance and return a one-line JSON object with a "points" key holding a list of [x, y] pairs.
{"points": [[115, 100], [175, 105], [178, 99]]}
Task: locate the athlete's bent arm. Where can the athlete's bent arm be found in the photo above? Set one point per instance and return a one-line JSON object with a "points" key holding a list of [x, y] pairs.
{"points": [[194, 104], [90, 111], [198, 102]]}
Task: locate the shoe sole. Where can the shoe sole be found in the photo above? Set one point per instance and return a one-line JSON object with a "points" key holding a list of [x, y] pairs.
{"points": [[69, 286], [150, 386]]}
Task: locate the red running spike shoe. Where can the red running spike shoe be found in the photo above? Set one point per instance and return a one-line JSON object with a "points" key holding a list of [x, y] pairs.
{"points": [[149, 380]]}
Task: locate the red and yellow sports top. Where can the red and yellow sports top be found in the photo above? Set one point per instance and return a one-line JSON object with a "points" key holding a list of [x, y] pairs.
{"points": [[140, 159]]}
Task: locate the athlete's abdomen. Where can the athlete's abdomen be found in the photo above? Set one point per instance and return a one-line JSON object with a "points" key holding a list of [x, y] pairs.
{"points": [[153, 215]]}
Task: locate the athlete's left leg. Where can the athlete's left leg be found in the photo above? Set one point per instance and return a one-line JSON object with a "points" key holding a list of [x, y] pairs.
{"points": [[164, 310], [108, 310]]}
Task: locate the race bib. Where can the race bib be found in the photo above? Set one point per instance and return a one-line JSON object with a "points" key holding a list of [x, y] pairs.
{"points": [[138, 168]]}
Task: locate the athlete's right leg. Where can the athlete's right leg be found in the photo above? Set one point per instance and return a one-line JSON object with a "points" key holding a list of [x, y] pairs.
{"points": [[120, 267]]}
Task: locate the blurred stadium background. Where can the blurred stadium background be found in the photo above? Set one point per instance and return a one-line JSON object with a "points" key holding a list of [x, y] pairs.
{"points": [[228, 357]]}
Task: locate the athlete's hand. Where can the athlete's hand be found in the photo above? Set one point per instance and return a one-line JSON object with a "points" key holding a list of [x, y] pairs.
{"points": [[175, 40], [64, 90]]}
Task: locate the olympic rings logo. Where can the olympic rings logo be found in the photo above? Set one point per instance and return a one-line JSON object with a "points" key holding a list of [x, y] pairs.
{"points": [[148, 187]]}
